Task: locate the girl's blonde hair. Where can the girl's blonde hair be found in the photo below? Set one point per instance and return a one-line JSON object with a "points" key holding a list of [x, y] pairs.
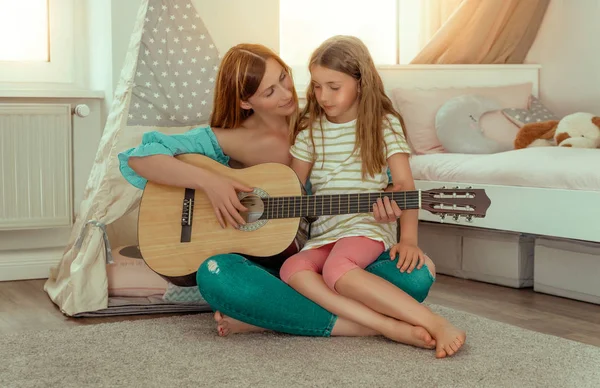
{"points": [[240, 73], [349, 55]]}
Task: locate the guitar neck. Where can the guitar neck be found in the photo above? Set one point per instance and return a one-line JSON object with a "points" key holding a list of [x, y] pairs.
{"points": [[335, 204]]}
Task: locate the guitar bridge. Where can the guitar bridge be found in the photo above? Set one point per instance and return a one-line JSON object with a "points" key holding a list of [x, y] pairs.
{"points": [[187, 215]]}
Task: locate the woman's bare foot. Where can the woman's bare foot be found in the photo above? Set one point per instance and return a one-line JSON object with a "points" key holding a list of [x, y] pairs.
{"points": [[227, 325], [449, 338], [408, 334]]}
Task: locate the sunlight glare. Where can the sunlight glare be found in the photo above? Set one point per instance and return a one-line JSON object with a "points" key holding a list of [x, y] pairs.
{"points": [[24, 30], [410, 29], [305, 24]]}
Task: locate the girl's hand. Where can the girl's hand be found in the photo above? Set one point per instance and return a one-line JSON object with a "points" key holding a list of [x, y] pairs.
{"points": [[222, 193], [386, 211], [410, 255]]}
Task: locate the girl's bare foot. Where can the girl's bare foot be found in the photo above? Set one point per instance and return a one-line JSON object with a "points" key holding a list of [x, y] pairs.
{"points": [[227, 325], [449, 338], [408, 334], [422, 338]]}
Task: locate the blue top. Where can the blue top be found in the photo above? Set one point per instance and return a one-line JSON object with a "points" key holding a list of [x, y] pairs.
{"points": [[199, 140]]}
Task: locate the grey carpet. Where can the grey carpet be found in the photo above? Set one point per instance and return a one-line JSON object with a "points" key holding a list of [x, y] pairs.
{"points": [[185, 352]]}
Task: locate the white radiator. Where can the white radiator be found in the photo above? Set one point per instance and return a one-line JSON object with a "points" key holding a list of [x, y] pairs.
{"points": [[35, 166]]}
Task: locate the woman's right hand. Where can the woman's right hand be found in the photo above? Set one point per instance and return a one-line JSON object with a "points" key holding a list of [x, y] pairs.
{"points": [[222, 193]]}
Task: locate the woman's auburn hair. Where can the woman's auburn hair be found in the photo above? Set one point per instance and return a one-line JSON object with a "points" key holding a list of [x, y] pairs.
{"points": [[349, 55], [240, 73]]}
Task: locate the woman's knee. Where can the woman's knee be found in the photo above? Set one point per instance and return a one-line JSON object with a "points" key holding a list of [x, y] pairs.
{"points": [[417, 284], [430, 266], [216, 272]]}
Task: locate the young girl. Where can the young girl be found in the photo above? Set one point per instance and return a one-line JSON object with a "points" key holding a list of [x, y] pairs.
{"points": [[348, 136]]}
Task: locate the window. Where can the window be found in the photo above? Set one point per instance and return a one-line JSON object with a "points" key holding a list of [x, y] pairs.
{"points": [[306, 24], [24, 30], [391, 29], [36, 41]]}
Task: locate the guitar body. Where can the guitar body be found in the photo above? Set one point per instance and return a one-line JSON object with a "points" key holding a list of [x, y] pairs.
{"points": [[160, 221]]}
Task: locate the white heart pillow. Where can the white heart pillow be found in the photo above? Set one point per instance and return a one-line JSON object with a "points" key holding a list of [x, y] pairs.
{"points": [[460, 129]]}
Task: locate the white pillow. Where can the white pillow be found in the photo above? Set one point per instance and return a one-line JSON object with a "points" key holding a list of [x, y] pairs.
{"points": [[418, 108], [459, 129]]}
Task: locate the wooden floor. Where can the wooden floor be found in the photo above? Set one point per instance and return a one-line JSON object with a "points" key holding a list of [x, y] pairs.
{"points": [[25, 306]]}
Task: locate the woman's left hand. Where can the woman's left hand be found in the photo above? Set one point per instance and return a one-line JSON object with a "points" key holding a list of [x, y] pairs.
{"points": [[409, 256]]}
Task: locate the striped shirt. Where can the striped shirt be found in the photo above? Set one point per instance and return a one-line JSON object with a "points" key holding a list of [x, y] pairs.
{"points": [[340, 173]]}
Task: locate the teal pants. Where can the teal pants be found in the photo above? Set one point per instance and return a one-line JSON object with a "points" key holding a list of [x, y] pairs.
{"points": [[251, 293]]}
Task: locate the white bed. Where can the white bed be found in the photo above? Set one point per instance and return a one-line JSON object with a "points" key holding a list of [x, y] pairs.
{"points": [[551, 191], [561, 205]]}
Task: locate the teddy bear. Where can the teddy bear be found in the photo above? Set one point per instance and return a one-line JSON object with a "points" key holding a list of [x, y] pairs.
{"points": [[580, 130]]}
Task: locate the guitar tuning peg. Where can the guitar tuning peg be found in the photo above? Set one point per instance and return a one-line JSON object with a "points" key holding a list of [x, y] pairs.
{"points": [[456, 217], [469, 218], [442, 217], [456, 187]]}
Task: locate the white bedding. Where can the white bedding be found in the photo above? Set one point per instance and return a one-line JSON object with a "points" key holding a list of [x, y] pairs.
{"points": [[547, 167]]}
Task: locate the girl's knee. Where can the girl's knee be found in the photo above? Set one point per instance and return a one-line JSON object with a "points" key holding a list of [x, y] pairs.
{"points": [[331, 277], [294, 265], [335, 270]]}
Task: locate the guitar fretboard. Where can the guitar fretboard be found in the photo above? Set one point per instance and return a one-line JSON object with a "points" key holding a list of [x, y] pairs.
{"points": [[334, 204]]}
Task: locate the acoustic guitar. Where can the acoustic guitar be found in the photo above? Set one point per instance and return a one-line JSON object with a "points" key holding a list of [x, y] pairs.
{"points": [[178, 229]]}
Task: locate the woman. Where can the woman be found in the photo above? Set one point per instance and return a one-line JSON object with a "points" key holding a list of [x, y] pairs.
{"points": [[254, 111]]}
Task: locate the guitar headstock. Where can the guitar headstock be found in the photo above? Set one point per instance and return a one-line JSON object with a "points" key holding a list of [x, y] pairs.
{"points": [[468, 202]]}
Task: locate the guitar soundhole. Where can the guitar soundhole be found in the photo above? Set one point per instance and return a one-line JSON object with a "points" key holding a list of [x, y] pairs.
{"points": [[256, 207]]}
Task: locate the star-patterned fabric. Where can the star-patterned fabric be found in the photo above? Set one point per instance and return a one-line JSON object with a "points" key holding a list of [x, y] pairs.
{"points": [[536, 113], [176, 68]]}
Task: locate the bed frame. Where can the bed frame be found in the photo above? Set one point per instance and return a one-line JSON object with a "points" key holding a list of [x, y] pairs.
{"points": [[570, 214]]}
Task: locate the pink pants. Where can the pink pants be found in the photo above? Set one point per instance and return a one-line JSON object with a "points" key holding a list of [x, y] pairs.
{"points": [[334, 260]]}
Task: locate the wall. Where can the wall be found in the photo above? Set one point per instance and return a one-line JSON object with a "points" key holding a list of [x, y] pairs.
{"points": [[123, 18], [570, 59], [95, 31], [235, 21]]}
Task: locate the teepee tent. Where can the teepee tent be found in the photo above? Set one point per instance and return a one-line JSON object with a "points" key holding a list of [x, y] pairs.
{"points": [[166, 85]]}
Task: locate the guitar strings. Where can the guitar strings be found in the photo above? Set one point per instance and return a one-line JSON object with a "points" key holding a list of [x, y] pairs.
{"points": [[284, 206], [275, 208], [344, 202]]}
